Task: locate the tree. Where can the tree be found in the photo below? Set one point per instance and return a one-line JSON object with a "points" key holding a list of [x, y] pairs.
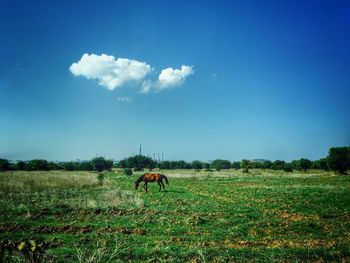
{"points": [[267, 165], [37, 165], [339, 159], [197, 165], [137, 162], [279, 165], [181, 165], [54, 166], [20, 165], [122, 164], [99, 164], [236, 165], [305, 164], [206, 166], [245, 165], [69, 166], [323, 164], [320, 164], [85, 166], [257, 165], [151, 164], [288, 167], [164, 165], [4, 165], [296, 164], [219, 164]]}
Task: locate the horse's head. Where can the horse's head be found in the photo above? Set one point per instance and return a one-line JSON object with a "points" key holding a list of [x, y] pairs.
{"points": [[136, 185]]}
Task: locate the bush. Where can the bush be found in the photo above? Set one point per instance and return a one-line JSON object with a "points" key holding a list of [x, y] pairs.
{"points": [[100, 178], [127, 171]]}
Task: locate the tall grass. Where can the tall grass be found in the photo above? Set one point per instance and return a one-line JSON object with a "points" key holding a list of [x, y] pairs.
{"points": [[30, 191]]}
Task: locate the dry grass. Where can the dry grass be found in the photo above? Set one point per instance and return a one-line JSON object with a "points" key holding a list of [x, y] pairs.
{"points": [[42, 180]]}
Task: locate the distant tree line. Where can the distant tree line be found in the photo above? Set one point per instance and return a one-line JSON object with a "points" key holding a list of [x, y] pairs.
{"points": [[96, 164], [338, 160]]}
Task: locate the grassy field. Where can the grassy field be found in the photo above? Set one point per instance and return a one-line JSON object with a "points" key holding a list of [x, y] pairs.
{"points": [[202, 217]]}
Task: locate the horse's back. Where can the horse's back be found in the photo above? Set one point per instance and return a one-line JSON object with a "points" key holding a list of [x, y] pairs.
{"points": [[152, 177]]}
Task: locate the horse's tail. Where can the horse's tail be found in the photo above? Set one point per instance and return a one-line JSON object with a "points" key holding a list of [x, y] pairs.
{"points": [[166, 179]]}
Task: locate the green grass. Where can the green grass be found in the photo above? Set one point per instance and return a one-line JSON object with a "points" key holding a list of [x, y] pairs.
{"points": [[203, 217]]}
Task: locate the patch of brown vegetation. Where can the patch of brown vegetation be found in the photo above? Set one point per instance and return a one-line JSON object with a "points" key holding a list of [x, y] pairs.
{"points": [[63, 229], [295, 217], [139, 232], [284, 243]]}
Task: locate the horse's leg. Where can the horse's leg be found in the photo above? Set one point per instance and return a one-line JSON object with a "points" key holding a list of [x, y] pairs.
{"points": [[146, 187], [160, 186], [161, 181]]}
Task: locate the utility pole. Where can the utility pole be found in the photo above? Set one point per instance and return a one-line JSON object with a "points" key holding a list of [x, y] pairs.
{"points": [[140, 149], [162, 157], [158, 158]]}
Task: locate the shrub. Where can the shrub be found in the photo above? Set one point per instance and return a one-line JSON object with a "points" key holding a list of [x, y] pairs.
{"points": [[127, 171], [100, 178]]}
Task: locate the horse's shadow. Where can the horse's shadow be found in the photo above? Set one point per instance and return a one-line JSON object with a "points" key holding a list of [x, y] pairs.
{"points": [[174, 191], [166, 191]]}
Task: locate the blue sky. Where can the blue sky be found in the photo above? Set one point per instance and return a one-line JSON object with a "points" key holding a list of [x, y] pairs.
{"points": [[269, 79]]}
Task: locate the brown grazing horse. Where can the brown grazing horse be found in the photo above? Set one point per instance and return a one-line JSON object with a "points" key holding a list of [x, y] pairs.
{"points": [[151, 177]]}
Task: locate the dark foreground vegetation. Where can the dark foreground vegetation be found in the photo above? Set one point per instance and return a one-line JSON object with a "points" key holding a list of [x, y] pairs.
{"points": [[266, 215]]}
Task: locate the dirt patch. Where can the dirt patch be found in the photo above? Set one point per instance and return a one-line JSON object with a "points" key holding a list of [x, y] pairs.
{"points": [[295, 217], [284, 243], [63, 229], [122, 230]]}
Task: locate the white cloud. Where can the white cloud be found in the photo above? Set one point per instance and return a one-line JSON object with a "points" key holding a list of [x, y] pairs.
{"points": [[124, 99], [110, 72], [168, 78]]}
